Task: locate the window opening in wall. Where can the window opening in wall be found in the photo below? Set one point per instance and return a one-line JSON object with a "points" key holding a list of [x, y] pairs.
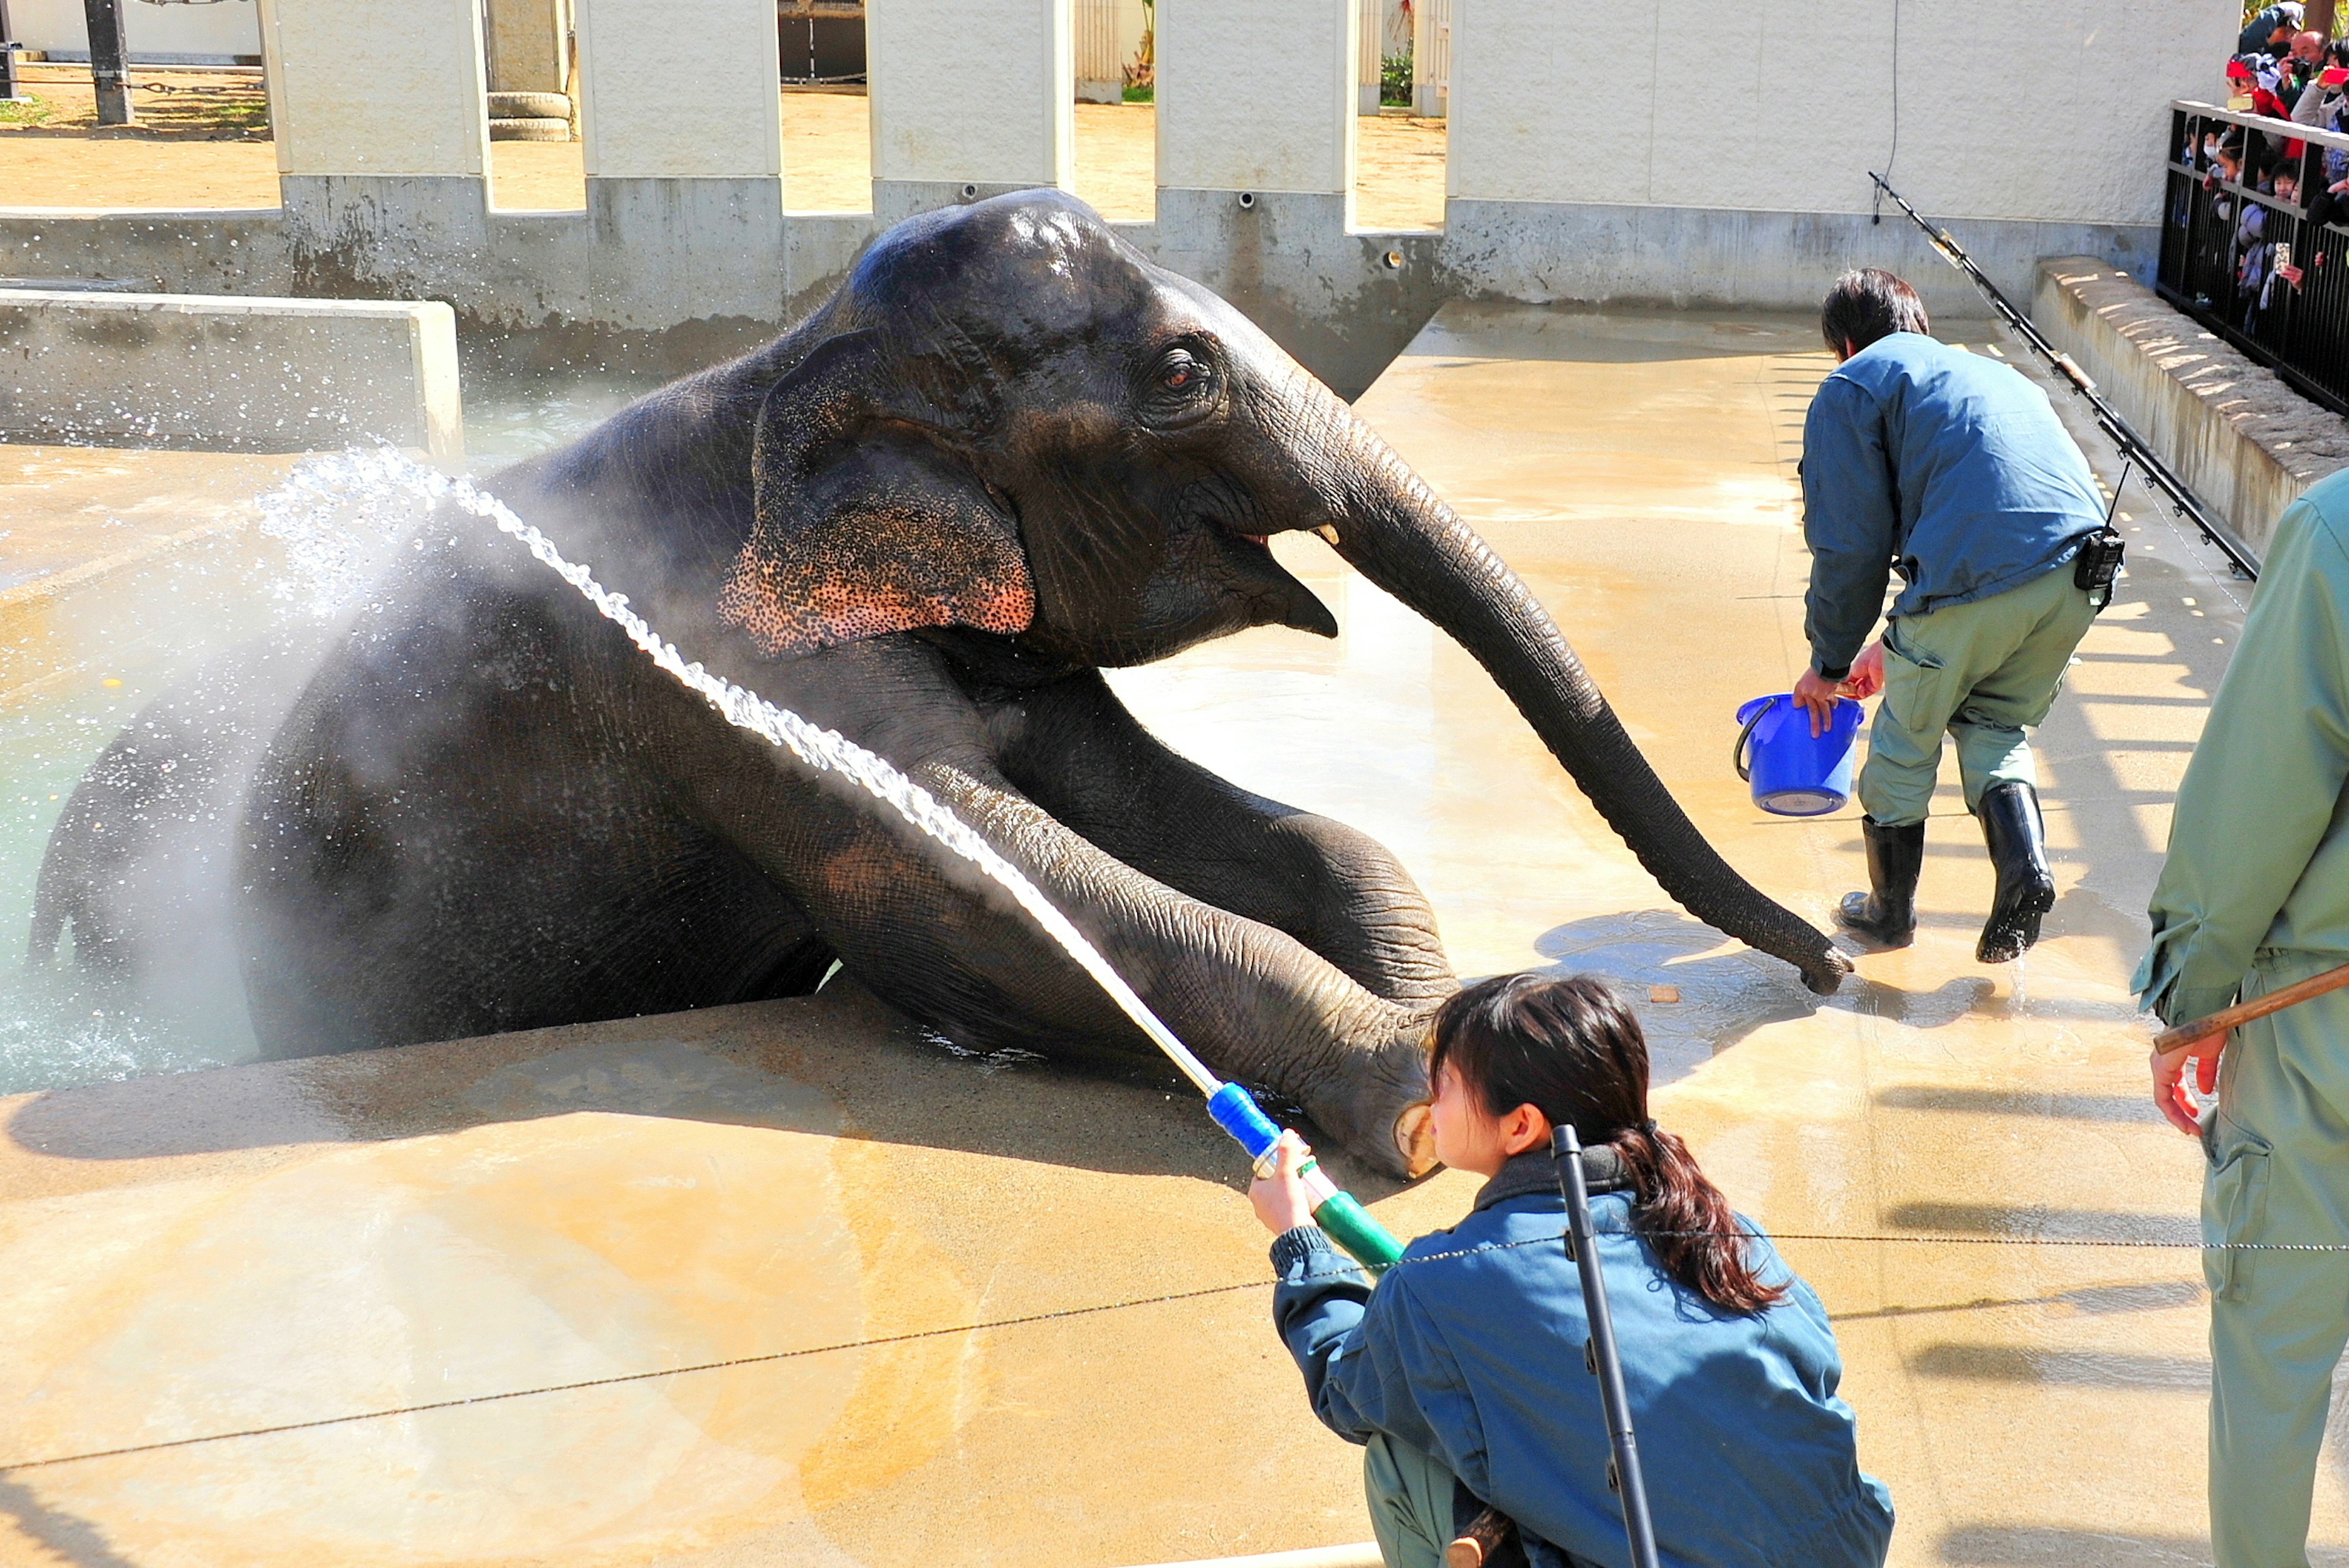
{"points": [[1402, 92], [827, 116], [199, 110], [530, 59], [1116, 45]]}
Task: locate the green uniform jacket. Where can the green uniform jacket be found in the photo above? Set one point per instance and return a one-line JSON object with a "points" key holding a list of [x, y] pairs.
{"points": [[2259, 853]]}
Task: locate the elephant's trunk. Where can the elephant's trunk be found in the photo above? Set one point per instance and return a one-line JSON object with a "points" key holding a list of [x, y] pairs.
{"points": [[1394, 531]]}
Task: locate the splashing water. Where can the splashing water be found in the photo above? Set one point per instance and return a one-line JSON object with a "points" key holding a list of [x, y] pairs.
{"points": [[373, 475]]}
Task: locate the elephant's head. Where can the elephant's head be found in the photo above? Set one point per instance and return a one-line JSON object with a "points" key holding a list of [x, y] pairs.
{"points": [[1015, 423]]}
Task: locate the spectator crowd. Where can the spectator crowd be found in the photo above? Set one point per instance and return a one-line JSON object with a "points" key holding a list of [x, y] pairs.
{"points": [[2283, 72]]}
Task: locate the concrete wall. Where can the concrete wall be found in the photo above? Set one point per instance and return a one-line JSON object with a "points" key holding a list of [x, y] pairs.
{"points": [[227, 374], [2241, 439], [375, 89], [231, 30], [680, 89], [975, 93], [1597, 154]]}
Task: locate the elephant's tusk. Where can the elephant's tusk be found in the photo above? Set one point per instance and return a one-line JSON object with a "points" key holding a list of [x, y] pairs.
{"points": [[1327, 534]]}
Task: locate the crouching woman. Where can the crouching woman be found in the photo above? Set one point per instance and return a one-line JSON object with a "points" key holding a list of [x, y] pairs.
{"points": [[1463, 1370]]}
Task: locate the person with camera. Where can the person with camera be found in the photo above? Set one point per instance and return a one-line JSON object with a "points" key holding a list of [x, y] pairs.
{"points": [[1951, 468]]}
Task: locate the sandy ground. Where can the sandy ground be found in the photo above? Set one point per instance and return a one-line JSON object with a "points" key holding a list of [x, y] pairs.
{"points": [[794, 1188], [827, 163]]}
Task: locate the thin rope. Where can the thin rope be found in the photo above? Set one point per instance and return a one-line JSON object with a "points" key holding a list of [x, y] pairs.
{"points": [[1034, 1318]]}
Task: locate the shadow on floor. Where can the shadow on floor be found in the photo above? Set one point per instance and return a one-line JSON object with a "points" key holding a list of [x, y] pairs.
{"points": [[2027, 1546], [839, 1064], [71, 1538]]}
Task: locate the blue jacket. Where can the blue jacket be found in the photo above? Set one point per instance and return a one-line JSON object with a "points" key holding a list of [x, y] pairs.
{"points": [[1477, 1360], [1949, 464]]}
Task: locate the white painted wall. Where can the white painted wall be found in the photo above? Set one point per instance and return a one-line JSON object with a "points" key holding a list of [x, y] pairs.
{"points": [[1258, 97], [2007, 108], [971, 90], [223, 30], [679, 88], [359, 86]]}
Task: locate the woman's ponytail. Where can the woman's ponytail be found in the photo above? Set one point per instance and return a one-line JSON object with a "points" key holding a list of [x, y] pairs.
{"points": [[1684, 1218]]}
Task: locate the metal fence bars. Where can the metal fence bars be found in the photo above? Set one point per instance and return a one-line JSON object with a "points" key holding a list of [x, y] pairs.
{"points": [[2255, 244]]}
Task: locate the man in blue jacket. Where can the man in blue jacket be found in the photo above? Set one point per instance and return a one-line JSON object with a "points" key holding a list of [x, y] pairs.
{"points": [[1951, 468]]}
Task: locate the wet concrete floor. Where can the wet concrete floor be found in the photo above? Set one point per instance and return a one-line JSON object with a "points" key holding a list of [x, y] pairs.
{"points": [[440, 1287]]}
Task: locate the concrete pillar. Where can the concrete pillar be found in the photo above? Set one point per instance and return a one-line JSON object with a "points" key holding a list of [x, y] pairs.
{"points": [[529, 46], [1258, 97], [1431, 58], [680, 105], [110, 60], [1256, 114], [970, 99], [1372, 34], [380, 118]]}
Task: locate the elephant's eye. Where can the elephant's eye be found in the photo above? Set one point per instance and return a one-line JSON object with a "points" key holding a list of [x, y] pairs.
{"points": [[1181, 389]]}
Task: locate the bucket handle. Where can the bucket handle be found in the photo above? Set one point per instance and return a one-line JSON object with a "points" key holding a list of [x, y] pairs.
{"points": [[1737, 752]]}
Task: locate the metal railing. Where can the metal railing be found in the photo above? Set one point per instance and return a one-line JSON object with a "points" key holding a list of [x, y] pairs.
{"points": [[2230, 250]]}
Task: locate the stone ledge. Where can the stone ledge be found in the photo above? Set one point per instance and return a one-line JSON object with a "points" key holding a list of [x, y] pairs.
{"points": [[2245, 441]]}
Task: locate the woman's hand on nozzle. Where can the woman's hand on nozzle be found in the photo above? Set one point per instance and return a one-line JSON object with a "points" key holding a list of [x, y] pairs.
{"points": [[2169, 1079], [1282, 1203]]}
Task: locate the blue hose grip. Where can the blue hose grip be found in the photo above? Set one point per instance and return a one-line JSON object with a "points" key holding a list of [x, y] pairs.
{"points": [[1235, 1112]]}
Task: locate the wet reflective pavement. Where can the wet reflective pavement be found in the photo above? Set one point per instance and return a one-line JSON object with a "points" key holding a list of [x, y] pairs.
{"points": [[432, 1281]]}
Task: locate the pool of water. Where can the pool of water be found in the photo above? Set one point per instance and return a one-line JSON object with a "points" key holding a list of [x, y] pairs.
{"points": [[78, 665]]}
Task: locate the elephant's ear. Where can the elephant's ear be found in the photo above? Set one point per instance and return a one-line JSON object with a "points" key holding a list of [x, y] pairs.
{"points": [[868, 522]]}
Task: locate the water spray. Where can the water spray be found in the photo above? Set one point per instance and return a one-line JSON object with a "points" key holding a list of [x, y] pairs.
{"points": [[1234, 1109]]}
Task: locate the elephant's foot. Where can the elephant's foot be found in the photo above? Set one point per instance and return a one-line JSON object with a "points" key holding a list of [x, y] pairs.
{"points": [[1375, 1102], [1414, 1139]]}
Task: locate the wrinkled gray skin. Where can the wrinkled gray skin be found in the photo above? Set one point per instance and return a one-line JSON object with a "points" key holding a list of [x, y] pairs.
{"points": [[1008, 453]]}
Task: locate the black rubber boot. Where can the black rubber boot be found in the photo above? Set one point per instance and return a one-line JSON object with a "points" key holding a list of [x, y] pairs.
{"points": [[2026, 888], [1886, 914]]}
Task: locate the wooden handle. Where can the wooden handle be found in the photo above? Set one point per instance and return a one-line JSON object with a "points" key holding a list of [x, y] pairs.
{"points": [[2243, 1013]]}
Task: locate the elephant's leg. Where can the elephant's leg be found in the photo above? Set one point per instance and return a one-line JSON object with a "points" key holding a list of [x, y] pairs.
{"points": [[926, 931], [1078, 752]]}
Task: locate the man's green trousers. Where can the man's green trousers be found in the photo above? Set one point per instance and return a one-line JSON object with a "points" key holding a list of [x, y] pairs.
{"points": [[1981, 672], [2279, 1173]]}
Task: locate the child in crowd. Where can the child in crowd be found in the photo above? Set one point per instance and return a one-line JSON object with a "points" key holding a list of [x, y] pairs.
{"points": [[1462, 1369]]}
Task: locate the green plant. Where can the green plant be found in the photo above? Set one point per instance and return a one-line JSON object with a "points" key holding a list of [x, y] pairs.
{"points": [[1145, 93], [1395, 79], [26, 110]]}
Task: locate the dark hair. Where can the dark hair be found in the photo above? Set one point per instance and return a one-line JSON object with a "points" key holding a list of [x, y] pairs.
{"points": [[1868, 305], [2338, 51], [1571, 1050]]}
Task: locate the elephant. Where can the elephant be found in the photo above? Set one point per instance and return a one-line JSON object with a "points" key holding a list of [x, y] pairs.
{"points": [[1006, 453]]}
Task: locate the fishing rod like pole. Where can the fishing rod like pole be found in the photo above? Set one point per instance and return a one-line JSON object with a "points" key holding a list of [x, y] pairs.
{"points": [[2243, 1013], [1606, 1361], [2116, 429]]}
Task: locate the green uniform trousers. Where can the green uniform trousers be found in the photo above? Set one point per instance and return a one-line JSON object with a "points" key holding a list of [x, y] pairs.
{"points": [[1410, 1494], [2278, 1149], [1983, 671]]}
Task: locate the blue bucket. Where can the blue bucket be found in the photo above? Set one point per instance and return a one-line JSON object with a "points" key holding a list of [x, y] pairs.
{"points": [[1794, 772]]}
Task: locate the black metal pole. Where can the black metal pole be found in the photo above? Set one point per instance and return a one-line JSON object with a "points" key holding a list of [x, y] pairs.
{"points": [[8, 89], [110, 61], [1604, 1360], [2119, 431]]}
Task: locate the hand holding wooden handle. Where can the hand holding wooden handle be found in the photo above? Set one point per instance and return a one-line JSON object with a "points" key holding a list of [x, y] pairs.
{"points": [[2243, 1013]]}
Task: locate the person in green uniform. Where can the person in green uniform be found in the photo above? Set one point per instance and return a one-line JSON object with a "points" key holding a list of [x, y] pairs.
{"points": [[2254, 896], [1952, 470]]}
